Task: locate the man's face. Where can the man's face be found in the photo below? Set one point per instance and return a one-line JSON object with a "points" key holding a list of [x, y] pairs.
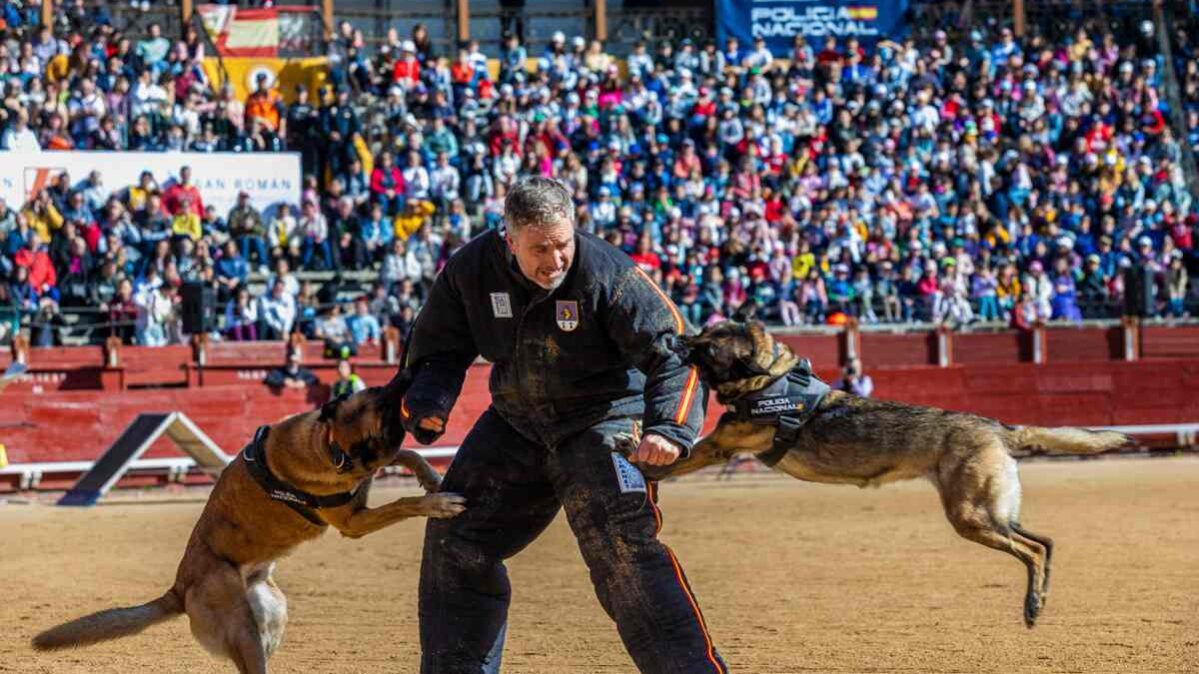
{"points": [[544, 252]]}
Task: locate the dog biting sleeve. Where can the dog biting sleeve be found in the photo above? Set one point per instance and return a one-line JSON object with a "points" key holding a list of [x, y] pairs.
{"points": [[644, 323]]}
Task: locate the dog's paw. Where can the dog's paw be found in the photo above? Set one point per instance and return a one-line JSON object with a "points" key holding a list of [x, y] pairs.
{"points": [[444, 506], [1032, 608], [431, 482]]}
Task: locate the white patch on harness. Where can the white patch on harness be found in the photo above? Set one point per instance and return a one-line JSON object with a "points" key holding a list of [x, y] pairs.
{"points": [[501, 305], [627, 476]]}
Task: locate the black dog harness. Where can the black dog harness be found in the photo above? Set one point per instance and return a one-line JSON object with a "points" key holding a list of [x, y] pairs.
{"points": [[787, 404], [300, 501]]}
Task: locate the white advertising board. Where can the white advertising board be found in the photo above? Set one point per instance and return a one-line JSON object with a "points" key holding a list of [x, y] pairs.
{"points": [[269, 178]]}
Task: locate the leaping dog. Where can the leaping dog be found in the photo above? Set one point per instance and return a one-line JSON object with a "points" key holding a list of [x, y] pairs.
{"points": [[783, 414]]}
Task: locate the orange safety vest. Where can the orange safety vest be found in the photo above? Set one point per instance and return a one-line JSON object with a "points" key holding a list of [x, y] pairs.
{"points": [[264, 106]]}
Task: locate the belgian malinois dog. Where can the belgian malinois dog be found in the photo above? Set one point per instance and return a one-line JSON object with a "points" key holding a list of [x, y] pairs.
{"points": [[287, 487], [853, 440]]}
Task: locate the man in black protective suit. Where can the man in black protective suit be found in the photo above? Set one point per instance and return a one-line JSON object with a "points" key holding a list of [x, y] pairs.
{"points": [[581, 345]]}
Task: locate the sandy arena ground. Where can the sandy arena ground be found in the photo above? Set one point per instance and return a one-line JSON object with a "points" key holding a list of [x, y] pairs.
{"points": [[793, 577]]}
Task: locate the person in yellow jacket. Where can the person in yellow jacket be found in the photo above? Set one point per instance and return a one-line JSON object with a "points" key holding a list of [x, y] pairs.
{"points": [[803, 262], [138, 195], [997, 235], [44, 219], [186, 222], [414, 215]]}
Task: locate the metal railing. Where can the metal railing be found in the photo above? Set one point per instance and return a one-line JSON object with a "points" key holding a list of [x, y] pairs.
{"points": [[1052, 19], [90, 325], [534, 25]]}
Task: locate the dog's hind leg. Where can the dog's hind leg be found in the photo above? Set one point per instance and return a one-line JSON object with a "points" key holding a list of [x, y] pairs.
{"points": [[1006, 510], [975, 525], [980, 491], [249, 654], [1047, 543], [269, 607], [222, 619]]}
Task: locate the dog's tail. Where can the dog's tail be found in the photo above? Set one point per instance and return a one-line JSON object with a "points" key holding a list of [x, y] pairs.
{"points": [[112, 623], [1037, 440]]}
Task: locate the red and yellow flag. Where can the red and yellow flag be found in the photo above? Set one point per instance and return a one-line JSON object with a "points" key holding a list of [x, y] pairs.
{"points": [[863, 12]]}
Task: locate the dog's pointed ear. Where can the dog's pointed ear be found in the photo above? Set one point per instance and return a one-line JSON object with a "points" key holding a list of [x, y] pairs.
{"points": [[763, 346], [681, 345], [745, 312], [328, 412], [757, 330], [329, 409]]}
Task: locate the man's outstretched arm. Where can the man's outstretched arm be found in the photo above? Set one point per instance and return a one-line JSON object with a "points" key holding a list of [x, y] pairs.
{"points": [[645, 323], [440, 350]]}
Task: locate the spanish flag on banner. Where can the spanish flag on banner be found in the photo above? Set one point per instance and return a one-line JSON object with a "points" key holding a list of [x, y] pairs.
{"points": [[863, 12], [262, 33]]}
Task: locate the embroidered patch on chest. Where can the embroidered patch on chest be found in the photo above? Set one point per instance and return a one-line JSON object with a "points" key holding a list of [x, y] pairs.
{"points": [[567, 313], [501, 305], [628, 478]]}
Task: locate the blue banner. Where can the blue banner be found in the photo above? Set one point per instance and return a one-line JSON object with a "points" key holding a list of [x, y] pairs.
{"points": [[779, 21]]}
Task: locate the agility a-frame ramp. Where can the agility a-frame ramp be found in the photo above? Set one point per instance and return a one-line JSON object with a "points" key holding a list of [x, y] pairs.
{"points": [[134, 441]]}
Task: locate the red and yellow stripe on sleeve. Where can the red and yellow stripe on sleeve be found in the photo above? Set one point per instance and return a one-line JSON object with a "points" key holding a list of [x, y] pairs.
{"points": [[692, 386]]}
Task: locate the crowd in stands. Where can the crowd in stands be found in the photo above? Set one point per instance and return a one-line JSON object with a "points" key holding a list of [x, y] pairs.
{"points": [[984, 178]]}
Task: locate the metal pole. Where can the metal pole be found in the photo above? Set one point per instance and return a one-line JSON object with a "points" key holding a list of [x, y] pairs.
{"points": [[48, 14], [463, 20], [327, 18], [185, 14], [601, 20], [1018, 17]]}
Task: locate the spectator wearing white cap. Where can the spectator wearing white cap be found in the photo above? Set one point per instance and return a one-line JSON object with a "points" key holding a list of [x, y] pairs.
{"points": [[407, 69]]}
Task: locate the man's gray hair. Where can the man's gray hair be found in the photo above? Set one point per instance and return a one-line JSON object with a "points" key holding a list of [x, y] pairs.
{"points": [[538, 202]]}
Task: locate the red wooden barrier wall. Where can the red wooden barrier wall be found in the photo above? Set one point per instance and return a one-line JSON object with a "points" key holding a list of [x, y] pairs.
{"points": [[78, 425], [59, 413]]}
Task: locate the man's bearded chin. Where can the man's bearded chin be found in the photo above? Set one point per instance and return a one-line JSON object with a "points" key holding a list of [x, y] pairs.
{"points": [[555, 283]]}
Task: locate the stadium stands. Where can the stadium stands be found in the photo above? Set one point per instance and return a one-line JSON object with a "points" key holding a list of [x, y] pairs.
{"points": [[982, 178]]}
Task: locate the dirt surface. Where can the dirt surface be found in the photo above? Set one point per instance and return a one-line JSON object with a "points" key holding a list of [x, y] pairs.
{"points": [[793, 577]]}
